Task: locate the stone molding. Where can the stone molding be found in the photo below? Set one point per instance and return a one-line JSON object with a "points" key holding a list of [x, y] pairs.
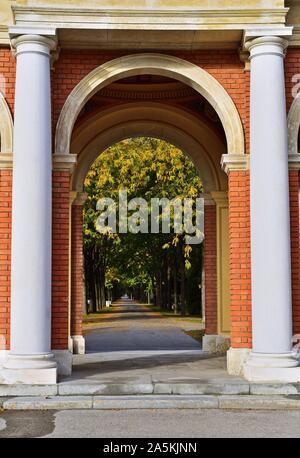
{"points": [[64, 162], [234, 162]]}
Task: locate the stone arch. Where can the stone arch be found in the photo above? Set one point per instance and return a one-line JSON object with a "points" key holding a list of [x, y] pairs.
{"points": [[156, 64], [293, 126], [195, 137], [6, 127]]}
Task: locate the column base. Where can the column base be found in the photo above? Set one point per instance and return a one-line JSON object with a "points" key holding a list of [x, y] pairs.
{"points": [[215, 343], [278, 368], [29, 370], [78, 345]]}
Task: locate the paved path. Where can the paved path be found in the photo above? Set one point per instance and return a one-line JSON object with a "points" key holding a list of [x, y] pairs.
{"points": [[150, 423], [135, 327], [136, 345]]}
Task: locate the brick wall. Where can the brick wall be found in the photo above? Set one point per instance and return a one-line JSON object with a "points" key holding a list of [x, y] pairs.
{"points": [[60, 259], [210, 268], [5, 256], [240, 259], [294, 211], [7, 88], [77, 271]]}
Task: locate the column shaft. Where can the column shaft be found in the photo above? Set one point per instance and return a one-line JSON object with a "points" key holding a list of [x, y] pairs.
{"points": [[269, 201], [31, 216], [270, 217]]}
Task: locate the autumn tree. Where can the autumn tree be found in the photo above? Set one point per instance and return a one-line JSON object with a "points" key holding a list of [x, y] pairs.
{"points": [[155, 264]]}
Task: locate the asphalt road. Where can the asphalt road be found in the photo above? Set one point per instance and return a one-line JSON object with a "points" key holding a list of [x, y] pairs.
{"points": [[150, 424]]}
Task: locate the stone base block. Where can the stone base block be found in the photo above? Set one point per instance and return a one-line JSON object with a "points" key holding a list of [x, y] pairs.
{"points": [[78, 345], [215, 343], [28, 376], [29, 370], [276, 368], [236, 359], [64, 359]]}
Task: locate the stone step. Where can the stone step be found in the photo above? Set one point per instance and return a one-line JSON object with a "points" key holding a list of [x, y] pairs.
{"points": [[152, 402], [183, 387]]}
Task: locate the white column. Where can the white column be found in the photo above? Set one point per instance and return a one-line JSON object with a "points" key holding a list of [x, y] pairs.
{"points": [[30, 359], [272, 357]]}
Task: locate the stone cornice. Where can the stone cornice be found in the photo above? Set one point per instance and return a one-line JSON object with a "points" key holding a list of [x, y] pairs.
{"points": [[154, 19]]}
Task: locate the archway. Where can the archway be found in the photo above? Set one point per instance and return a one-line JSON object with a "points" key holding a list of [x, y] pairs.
{"points": [[175, 125]]}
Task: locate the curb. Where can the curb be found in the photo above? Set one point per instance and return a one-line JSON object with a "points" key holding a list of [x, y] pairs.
{"points": [[152, 402], [172, 388]]}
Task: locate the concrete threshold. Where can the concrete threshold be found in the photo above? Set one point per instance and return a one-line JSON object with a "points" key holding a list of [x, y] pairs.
{"points": [[246, 402]]}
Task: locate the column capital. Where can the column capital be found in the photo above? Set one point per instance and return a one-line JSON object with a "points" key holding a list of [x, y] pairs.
{"points": [[6, 161], [235, 162], [220, 197], [269, 45], [294, 161], [208, 200], [23, 40], [66, 162]]}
